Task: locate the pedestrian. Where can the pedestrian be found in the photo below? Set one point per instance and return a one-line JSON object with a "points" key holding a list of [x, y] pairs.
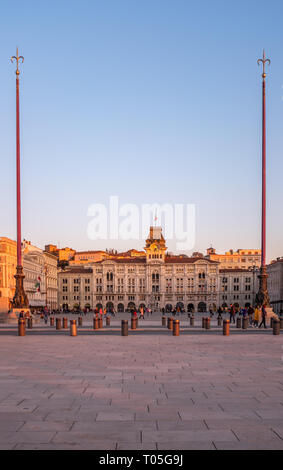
{"points": [[250, 314], [256, 317], [263, 317], [232, 314]]}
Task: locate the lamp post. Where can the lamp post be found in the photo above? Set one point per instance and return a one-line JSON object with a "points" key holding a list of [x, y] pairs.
{"points": [[20, 299], [262, 297]]}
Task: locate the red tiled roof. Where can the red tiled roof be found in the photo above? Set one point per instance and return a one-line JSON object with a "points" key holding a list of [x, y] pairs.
{"points": [[90, 252], [76, 270], [177, 259], [234, 270], [139, 259]]}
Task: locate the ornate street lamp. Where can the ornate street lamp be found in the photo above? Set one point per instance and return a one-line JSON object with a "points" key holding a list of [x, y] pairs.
{"points": [[20, 299]]}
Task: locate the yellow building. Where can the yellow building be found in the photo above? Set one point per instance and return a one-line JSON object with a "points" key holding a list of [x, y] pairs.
{"points": [[240, 259], [8, 264], [89, 257], [40, 271], [63, 254], [86, 257]]}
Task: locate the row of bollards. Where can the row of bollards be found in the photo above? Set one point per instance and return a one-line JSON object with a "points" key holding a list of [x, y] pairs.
{"points": [[172, 324]]}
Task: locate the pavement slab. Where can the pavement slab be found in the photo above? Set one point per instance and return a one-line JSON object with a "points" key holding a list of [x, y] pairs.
{"points": [[146, 391]]}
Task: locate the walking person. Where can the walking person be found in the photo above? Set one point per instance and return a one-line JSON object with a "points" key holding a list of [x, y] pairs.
{"points": [[256, 317], [263, 317], [250, 314], [232, 314]]}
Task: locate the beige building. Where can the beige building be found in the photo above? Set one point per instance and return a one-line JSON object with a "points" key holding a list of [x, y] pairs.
{"points": [[238, 286], [275, 284], [50, 268], [35, 275], [240, 259], [75, 288], [153, 280]]}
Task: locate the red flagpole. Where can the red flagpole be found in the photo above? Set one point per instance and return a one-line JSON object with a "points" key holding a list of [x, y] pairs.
{"points": [[262, 297], [20, 299], [19, 234], [263, 218]]}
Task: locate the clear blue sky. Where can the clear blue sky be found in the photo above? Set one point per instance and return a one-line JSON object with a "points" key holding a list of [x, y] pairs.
{"points": [[153, 101]]}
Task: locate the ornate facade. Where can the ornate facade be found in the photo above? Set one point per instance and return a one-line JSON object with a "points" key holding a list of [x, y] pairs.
{"points": [[153, 280]]}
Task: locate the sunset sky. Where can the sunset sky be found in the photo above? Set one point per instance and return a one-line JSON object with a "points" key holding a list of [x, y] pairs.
{"points": [[153, 101]]}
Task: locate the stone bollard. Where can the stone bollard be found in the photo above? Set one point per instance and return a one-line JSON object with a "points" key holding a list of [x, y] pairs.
{"points": [[170, 323], [80, 321], [176, 327], [100, 322], [245, 323], [30, 323], [58, 323], [21, 327], [95, 323], [51, 321], [192, 321], [124, 327], [73, 328], [239, 322], [207, 323], [107, 320], [271, 322], [133, 323], [219, 321], [281, 323], [276, 326], [226, 327], [65, 323], [163, 321]]}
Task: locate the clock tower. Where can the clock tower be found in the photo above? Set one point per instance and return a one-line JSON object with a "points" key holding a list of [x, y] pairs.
{"points": [[155, 246]]}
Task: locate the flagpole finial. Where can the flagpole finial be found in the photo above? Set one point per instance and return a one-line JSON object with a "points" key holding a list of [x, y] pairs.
{"points": [[17, 58], [263, 61]]}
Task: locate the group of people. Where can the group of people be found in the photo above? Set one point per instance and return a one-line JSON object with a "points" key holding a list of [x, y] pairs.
{"points": [[256, 315], [140, 312]]}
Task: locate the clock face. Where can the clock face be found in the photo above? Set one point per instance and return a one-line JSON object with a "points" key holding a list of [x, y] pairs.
{"points": [[153, 247]]}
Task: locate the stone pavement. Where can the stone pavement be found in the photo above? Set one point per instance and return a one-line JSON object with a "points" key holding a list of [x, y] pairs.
{"points": [[144, 391]]}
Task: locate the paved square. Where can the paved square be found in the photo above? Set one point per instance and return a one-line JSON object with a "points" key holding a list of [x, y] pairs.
{"points": [[149, 390]]}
